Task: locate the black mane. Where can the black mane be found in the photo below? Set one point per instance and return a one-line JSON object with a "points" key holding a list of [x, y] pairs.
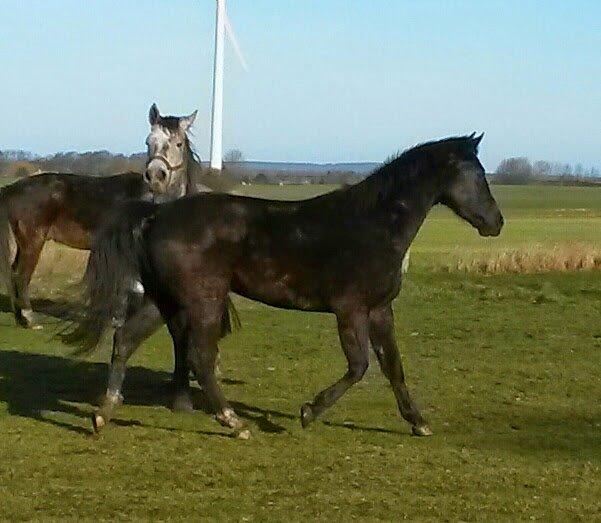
{"points": [[400, 172]]}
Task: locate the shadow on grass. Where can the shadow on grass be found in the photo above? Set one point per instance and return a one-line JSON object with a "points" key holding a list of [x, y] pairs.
{"points": [[60, 309], [545, 432], [36, 385], [33, 385]]}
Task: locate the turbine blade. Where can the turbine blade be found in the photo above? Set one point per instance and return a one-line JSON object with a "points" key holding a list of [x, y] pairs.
{"points": [[232, 36]]}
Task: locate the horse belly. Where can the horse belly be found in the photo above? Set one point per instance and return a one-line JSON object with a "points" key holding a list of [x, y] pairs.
{"points": [[70, 233], [278, 289]]}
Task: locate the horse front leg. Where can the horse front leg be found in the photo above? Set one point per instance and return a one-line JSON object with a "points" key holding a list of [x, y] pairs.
{"points": [[354, 338], [381, 332]]}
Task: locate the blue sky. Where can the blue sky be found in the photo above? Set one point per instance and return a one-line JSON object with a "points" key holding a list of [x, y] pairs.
{"points": [[329, 80]]}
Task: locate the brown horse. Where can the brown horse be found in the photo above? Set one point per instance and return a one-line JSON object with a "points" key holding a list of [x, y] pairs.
{"points": [[68, 208]]}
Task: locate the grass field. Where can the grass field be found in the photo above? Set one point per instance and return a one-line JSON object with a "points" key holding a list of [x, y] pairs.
{"points": [[506, 368]]}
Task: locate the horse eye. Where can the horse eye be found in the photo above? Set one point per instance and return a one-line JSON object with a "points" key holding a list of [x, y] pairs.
{"points": [[179, 144]]}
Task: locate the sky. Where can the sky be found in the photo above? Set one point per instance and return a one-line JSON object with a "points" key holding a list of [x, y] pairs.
{"points": [[328, 80]]}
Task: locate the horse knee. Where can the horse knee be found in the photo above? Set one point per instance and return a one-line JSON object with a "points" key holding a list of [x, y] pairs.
{"points": [[357, 369]]}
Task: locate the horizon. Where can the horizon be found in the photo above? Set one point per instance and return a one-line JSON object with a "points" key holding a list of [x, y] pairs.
{"points": [[372, 81]]}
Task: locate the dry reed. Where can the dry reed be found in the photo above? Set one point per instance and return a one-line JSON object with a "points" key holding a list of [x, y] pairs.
{"points": [[535, 259]]}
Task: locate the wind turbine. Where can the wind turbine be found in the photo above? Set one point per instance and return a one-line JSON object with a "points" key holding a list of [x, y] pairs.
{"points": [[222, 26]]}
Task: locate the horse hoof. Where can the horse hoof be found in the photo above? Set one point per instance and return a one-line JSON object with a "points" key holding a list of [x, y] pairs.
{"points": [[307, 415], [25, 318], [182, 404], [421, 430], [98, 422], [228, 418]]}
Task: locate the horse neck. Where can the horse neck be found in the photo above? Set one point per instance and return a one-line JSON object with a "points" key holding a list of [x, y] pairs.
{"points": [[401, 184], [400, 195], [192, 173], [184, 180]]}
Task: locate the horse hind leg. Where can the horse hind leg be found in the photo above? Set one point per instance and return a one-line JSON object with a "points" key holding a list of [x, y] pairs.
{"points": [[139, 325], [205, 329], [26, 259], [354, 338], [179, 329]]}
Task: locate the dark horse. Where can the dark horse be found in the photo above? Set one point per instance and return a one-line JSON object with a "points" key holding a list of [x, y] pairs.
{"points": [[340, 253]]}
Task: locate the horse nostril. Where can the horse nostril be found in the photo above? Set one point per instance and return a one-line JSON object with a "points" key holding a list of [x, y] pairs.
{"points": [[162, 174]]}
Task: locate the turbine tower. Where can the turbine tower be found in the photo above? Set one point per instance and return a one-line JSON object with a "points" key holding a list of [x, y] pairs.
{"points": [[222, 26]]}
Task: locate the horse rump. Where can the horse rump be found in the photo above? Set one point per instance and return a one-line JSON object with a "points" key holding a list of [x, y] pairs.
{"points": [[118, 259]]}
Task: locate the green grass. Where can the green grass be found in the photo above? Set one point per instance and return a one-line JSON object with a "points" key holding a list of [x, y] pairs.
{"points": [[506, 369]]}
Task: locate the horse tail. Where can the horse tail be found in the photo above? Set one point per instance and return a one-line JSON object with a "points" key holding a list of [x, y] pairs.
{"points": [[114, 268], [5, 255], [117, 264]]}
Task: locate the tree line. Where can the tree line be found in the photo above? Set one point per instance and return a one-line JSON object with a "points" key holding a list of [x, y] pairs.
{"points": [[520, 170], [514, 171], [18, 164]]}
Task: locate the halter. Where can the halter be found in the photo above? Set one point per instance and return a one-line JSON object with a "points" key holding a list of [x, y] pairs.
{"points": [[170, 168]]}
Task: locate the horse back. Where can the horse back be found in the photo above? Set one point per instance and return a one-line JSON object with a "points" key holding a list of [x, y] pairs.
{"points": [[67, 207]]}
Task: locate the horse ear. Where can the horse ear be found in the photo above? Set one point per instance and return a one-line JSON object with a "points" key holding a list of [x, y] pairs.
{"points": [[477, 139], [154, 116], [471, 136], [185, 122]]}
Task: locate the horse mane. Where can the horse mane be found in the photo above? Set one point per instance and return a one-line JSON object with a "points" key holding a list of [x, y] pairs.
{"points": [[196, 174], [400, 172], [194, 165]]}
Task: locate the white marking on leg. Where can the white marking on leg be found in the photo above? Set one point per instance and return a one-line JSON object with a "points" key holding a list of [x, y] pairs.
{"points": [[137, 287], [114, 397]]}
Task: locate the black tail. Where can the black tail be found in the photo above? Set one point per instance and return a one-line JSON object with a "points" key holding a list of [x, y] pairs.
{"points": [[117, 260], [113, 268], [5, 257]]}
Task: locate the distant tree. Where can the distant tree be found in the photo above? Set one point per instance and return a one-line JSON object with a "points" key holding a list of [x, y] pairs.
{"points": [[16, 155], [514, 171], [233, 156], [541, 168]]}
